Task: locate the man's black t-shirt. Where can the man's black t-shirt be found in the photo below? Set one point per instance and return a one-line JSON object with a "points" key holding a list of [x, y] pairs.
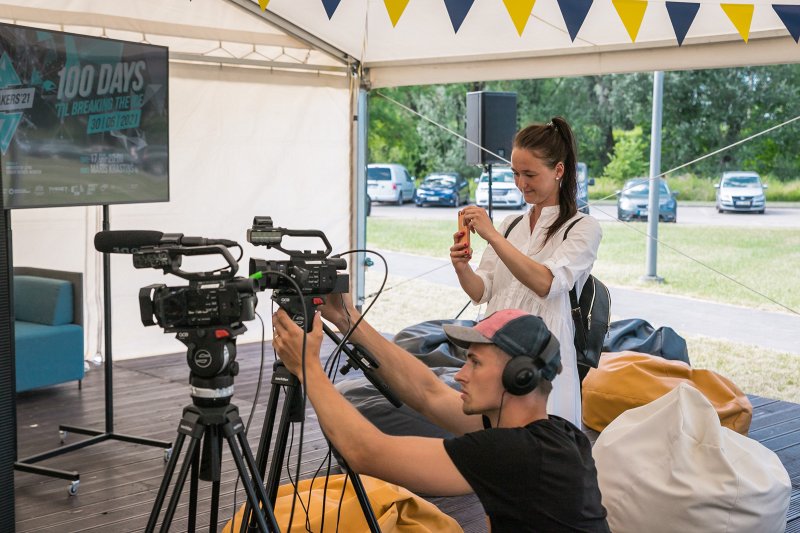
{"points": [[540, 477]]}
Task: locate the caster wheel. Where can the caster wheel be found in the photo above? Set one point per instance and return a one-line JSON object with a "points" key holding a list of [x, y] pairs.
{"points": [[167, 454], [72, 490], [62, 435]]}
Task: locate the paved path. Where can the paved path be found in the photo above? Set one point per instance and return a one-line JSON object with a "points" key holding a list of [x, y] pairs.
{"points": [[688, 316]]}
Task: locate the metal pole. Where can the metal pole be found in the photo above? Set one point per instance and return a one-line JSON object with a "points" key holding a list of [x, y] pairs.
{"points": [[653, 210], [362, 124]]}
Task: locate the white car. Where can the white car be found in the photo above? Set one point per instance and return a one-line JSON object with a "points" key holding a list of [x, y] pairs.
{"points": [[389, 182], [504, 191], [741, 191]]}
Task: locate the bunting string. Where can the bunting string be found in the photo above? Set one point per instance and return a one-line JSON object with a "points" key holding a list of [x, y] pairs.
{"points": [[631, 13]]}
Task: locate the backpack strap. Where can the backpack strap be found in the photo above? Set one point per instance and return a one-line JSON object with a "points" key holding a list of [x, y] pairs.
{"points": [[573, 294], [511, 226]]}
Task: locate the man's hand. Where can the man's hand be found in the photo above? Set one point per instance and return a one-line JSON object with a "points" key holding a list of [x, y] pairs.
{"points": [[339, 310], [288, 342]]}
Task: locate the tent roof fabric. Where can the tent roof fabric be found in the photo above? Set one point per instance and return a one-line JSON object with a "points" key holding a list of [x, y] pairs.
{"points": [[423, 46]]}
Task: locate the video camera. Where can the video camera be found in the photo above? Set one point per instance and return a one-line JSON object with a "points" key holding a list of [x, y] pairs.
{"points": [[207, 314], [315, 273]]}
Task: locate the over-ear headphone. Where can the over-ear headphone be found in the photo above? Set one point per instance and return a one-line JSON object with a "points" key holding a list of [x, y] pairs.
{"points": [[522, 374]]}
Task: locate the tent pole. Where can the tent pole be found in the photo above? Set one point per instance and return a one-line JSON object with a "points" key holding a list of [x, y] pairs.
{"points": [[362, 125], [653, 209]]}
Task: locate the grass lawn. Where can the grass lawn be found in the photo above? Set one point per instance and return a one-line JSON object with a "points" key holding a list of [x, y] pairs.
{"points": [[695, 261], [745, 266]]}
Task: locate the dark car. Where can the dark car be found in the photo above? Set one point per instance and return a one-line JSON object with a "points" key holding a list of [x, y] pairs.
{"points": [[443, 188], [632, 201]]}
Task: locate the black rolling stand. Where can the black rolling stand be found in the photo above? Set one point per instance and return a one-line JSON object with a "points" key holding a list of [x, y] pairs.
{"points": [[27, 464]]}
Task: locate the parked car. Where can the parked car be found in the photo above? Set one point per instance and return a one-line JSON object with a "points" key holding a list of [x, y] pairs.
{"points": [[633, 200], [741, 191], [389, 182], [584, 181], [504, 190], [443, 188]]}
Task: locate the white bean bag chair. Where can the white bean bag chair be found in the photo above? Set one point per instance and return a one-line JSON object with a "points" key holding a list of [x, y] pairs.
{"points": [[670, 466]]}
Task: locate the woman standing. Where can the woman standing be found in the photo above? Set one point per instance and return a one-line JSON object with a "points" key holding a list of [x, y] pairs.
{"points": [[534, 267]]}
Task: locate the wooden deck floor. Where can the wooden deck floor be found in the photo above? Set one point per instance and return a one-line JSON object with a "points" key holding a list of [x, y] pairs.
{"points": [[119, 480]]}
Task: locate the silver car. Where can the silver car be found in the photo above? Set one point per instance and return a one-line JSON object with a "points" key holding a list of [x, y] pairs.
{"points": [[389, 182], [504, 189], [741, 191]]}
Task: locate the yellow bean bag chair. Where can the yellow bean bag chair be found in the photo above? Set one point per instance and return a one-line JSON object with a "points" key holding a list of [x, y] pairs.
{"points": [[625, 380], [396, 509]]}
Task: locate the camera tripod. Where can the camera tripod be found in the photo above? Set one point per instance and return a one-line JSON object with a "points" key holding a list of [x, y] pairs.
{"points": [[293, 412], [210, 418]]}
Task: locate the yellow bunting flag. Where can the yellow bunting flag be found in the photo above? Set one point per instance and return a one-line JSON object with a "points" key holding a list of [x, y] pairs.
{"points": [[395, 9], [520, 11], [741, 15], [263, 4], [631, 12]]}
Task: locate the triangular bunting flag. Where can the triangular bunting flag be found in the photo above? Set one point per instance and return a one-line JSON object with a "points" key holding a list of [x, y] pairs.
{"points": [[682, 14], [263, 4], [790, 16], [631, 12], [458, 9], [520, 11], [741, 15], [574, 13], [330, 7], [395, 9]]}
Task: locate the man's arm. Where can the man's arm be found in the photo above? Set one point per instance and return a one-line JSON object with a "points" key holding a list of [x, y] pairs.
{"points": [[417, 463], [411, 381]]}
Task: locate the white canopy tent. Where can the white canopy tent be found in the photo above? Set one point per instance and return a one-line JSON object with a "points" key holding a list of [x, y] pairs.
{"points": [[262, 105]]}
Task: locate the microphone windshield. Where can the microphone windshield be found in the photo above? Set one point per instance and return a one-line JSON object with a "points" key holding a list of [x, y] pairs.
{"points": [[125, 242]]}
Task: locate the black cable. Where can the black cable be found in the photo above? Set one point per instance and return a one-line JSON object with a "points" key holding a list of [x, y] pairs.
{"points": [[252, 411]]}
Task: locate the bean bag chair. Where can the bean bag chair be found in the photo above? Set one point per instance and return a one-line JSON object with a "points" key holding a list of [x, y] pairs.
{"points": [[428, 342], [626, 380], [637, 335], [396, 509], [670, 466]]}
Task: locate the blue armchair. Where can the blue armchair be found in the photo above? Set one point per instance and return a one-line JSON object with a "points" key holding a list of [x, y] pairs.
{"points": [[48, 327]]}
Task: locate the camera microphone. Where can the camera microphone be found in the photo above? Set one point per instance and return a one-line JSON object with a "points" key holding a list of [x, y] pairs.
{"points": [[130, 241]]}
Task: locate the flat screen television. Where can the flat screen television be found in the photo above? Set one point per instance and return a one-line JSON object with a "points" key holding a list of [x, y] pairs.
{"points": [[83, 120]]}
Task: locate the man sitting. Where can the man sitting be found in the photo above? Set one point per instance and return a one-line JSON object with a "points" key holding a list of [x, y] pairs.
{"points": [[531, 471]]}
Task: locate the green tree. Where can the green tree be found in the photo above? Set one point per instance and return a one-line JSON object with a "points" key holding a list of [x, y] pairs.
{"points": [[629, 159]]}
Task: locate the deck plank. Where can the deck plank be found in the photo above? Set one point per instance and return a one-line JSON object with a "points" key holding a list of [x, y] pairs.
{"points": [[119, 480]]}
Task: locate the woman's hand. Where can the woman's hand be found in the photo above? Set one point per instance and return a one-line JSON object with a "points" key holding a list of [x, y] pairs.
{"points": [[460, 252], [478, 221]]}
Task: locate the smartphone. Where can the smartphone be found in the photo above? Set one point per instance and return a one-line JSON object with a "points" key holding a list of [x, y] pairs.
{"points": [[463, 227]]}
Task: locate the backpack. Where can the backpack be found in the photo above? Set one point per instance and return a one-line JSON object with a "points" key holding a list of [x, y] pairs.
{"points": [[591, 313]]}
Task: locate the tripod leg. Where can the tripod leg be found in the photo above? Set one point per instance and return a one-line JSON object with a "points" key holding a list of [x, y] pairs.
{"points": [[216, 474], [193, 486], [263, 451], [289, 406], [197, 431], [162, 490], [255, 491], [363, 499]]}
